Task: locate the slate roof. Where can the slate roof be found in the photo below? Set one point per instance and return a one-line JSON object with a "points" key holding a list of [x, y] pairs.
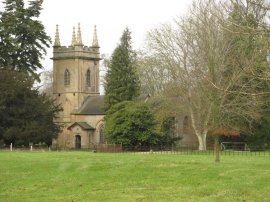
{"points": [[83, 125], [92, 105]]}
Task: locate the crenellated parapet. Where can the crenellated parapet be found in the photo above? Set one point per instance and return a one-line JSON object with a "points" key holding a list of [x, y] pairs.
{"points": [[73, 52], [77, 50]]}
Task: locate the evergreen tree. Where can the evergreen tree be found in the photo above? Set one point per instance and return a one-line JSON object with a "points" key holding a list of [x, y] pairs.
{"points": [[23, 40], [131, 124], [261, 136], [25, 115], [121, 81]]}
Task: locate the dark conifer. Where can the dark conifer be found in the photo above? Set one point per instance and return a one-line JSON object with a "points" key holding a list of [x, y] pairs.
{"points": [[23, 40], [121, 81]]}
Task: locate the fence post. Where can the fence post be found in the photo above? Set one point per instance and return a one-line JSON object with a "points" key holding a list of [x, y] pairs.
{"points": [[31, 148], [10, 146]]}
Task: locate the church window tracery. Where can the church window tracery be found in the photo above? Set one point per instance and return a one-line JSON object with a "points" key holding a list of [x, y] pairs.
{"points": [[67, 78]]}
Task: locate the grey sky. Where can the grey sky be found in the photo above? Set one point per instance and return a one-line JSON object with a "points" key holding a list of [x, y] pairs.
{"points": [[110, 16]]}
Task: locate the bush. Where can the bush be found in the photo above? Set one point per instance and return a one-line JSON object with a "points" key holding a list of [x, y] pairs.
{"points": [[131, 124]]}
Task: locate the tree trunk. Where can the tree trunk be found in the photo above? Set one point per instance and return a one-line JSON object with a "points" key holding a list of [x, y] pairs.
{"points": [[201, 133], [217, 149], [202, 142]]}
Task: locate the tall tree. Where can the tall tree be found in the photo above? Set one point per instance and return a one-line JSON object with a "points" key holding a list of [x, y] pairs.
{"points": [[121, 80], [23, 40], [248, 30], [25, 115], [153, 76], [215, 89]]}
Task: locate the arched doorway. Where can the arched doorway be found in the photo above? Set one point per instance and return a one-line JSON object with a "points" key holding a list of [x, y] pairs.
{"points": [[77, 141]]}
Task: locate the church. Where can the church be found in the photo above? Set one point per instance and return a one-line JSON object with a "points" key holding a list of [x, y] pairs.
{"points": [[76, 88]]}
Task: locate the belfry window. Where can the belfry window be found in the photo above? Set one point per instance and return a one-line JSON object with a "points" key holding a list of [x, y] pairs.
{"points": [[88, 81], [67, 78]]}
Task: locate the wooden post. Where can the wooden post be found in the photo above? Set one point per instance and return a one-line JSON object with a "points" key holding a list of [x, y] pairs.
{"points": [[10, 146]]}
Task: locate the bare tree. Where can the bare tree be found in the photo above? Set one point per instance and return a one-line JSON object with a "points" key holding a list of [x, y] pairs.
{"points": [[153, 76], [211, 73], [46, 85]]}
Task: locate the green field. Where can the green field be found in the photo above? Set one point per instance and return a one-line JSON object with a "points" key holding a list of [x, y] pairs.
{"points": [[85, 176]]}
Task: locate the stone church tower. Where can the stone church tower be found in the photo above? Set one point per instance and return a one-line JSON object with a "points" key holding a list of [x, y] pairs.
{"points": [[76, 88]]}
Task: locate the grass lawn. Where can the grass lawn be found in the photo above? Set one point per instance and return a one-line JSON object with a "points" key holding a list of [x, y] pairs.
{"points": [[85, 176]]}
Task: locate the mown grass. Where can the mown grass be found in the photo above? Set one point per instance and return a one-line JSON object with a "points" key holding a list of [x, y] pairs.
{"points": [[85, 176]]}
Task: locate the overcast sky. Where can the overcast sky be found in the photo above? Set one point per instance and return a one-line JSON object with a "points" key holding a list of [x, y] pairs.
{"points": [[110, 16]]}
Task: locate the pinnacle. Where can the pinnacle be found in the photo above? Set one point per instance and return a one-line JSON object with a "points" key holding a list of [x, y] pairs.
{"points": [[95, 39], [57, 37], [79, 36]]}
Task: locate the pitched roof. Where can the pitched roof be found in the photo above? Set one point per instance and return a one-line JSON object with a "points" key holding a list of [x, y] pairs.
{"points": [[92, 105], [83, 125]]}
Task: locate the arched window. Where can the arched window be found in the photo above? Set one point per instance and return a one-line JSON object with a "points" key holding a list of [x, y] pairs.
{"points": [[88, 81], [67, 78], [101, 135]]}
